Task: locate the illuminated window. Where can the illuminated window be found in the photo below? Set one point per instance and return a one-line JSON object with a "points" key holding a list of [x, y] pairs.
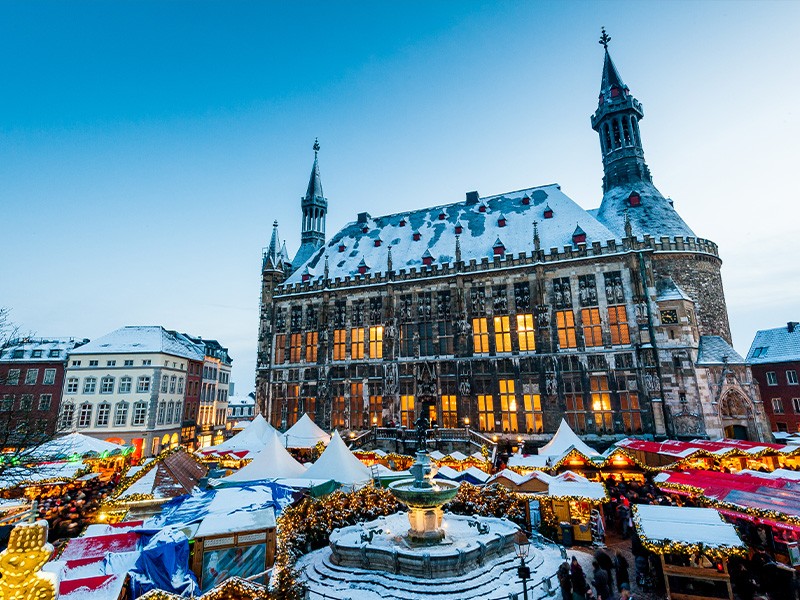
{"points": [[376, 342], [618, 323], [565, 322], [337, 416], [376, 410], [480, 336], [407, 417], [309, 406], [312, 337], [485, 412], [357, 404], [629, 405], [525, 333], [601, 403], [295, 346], [292, 400], [356, 343], [592, 333], [449, 412], [339, 341], [502, 334], [280, 349], [533, 413], [508, 405]]}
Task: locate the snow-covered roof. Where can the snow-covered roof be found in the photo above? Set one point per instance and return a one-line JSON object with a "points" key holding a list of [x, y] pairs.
{"points": [[143, 339], [577, 489], [305, 434], [565, 440], [657, 524], [775, 345], [241, 401], [39, 349], [527, 461], [667, 289], [251, 439], [437, 236], [174, 475], [51, 472], [714, 350], [273, 461], [73, 444], [339, 464]]}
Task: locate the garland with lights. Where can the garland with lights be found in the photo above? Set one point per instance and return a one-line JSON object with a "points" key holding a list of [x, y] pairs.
{"points": [[234, 588], [490, 501], [126, 482]]}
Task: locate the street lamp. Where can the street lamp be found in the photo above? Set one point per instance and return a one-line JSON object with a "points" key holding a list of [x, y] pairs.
{"points": [[521, 547]]}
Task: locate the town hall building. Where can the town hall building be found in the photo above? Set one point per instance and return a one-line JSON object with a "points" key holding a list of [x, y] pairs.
{"points": [[506, 313]]}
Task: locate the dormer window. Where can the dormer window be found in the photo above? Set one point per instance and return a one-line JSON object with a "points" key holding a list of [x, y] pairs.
{"points": [[341, 247], [362, 267], [548, 212], [499, 248], [634, 199], [579, 235], [402, 222], [501, 221], [526, 200], [482, 208], [427, 258], [416, 236], [459, 229], [364, 229], [377, 242], [442, 216], [305, 277]]}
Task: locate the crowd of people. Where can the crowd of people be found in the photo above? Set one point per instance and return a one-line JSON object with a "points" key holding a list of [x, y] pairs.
{"points": [[610, 578]]}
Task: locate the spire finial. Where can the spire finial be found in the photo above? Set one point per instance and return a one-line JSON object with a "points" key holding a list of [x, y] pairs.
{"points": [[604, 38], [316, 145], [458, 248], [326, 271], [628, 227], [389, 265], [536, 242]]}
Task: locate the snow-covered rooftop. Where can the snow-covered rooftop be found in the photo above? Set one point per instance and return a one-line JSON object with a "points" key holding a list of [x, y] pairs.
{"points": [[39, 349], [775, 345], [143, 339], [698, 525], [667, 289], [714, 350]]}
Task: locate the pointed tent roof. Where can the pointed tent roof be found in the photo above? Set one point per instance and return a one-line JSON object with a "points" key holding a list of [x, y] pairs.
{"points": [[339, 464], [564, 440], [315, 181], [272, 462], [611, 77], [305, 434], [73, 444], [250, 439]]}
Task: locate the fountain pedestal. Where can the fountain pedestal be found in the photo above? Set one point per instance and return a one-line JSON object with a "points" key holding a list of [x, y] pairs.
{"points": [[426, 526]]}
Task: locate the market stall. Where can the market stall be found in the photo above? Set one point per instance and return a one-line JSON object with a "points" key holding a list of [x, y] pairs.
{"points": [[694, 556], [572, 509]]}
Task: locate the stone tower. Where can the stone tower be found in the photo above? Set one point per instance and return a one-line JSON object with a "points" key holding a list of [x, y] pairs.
{"points": [[315, 208], [633, 206]]}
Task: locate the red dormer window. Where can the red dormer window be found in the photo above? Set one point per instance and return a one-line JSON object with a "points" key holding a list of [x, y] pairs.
{"points": [[416, 235], [364, 229], [634, 199], [499, 250], [501, 222], [482, 208], [402, 222], [427, 260], [526, 200], [362, 269], [442, 216], [306, 277], [548, 213], [341, 247], [459, 229], [377, 243], [579, 238]]}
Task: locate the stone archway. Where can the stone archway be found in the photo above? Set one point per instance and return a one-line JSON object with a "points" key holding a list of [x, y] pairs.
{"points": [[736, 413]]}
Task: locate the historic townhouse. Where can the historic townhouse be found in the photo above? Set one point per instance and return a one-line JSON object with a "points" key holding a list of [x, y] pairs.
{"points": [[506, 312]]}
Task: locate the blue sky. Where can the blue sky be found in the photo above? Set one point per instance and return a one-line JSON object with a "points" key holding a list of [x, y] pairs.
{"points": [[146, 147]]}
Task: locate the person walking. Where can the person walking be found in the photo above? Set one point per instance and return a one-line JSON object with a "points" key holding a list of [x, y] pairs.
{"points": [[607, 564], [621, 569], [578, 580], [564, 581], [602, 585]]}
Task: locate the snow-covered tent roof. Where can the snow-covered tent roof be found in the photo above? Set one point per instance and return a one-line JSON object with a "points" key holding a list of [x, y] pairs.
{"points": [[592, 490], [305, 434], [272, 462], [50, 472], [251, 439], [527, 461], [656, 524], [339, 464], [73, 444], [565, 440]]}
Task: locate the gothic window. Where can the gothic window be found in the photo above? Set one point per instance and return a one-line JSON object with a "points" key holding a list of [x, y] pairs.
{"points": [[629, 404], [426, 347], [280, 348], [358, 313], [615, 293], [375, 410], [312, 321], [449, 411], [522, 296], [407, 339], [565, 323], [339, 344], [601, 403], [587, 290], [562, 294], [532, 406], [525, 333], [502, 334], [280, 319], [312, 338], [508, 405], [499, 299], [424, 309], [376, 310], [357, 406], [480, 336], [445, 338], [624, 361], [357, 343], [443, 305], [407, 410], [405, 307], [295, 347], [618, 324], [339, 314], [477, 297], [296, 319], [485, 412], [573, 396], [376, 341], [592, 332], [596, 362]]}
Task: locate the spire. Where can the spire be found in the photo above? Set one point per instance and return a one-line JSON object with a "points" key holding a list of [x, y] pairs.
{"points": [[314, 207], [537, 246], [611, 76], [389, 264], [272, 257], [315, 181]]}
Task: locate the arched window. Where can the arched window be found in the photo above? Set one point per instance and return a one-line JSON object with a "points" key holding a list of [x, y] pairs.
{"points": [[85, 415], [107, 385], [172, 381], [139, 413], [160, 413], [103, 412], [164, 383], [170, 412], [125, 385], [67, 416], [180, 385], [121, 414]]}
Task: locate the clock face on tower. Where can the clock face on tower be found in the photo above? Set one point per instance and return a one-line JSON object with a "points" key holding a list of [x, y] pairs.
{"points": [[669, 317]]}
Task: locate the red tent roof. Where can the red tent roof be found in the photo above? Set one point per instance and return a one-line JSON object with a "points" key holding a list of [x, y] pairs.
{"points": [[99, 546]]}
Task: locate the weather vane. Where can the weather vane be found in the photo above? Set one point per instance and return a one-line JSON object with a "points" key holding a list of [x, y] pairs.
{"points": [[604, 38]]}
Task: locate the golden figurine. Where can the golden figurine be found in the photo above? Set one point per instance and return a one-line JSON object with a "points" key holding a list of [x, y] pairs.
{"points": [[20, 563]]}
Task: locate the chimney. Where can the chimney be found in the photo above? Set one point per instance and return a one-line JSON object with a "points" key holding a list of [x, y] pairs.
{"points": [[363, 217], [472, 197], [791, 326]]}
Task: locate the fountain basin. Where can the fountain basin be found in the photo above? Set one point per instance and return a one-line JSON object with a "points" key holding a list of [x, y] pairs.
{"points": [[440, 492]]}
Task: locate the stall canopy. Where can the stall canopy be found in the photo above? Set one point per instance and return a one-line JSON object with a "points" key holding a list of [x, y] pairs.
{"points": [[305, 434], [572, 485], [248, 441], [656, 526], [272, 462], [72, 445], [564, 441], [51, 473], [339, 464]]}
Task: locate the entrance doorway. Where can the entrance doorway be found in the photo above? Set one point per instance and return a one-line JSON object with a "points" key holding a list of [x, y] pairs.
{"points": [[736, 432]]}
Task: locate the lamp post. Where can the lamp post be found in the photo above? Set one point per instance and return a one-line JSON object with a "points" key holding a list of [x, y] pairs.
{"points": [[521, 547]]}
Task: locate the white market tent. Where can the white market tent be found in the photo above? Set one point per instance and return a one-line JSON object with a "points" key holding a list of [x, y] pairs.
{"points": [[305, 434], [339, 464], [250, 440], [272, 462], [657, 524], [72, 444], [565, 440], [576, 486]]}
